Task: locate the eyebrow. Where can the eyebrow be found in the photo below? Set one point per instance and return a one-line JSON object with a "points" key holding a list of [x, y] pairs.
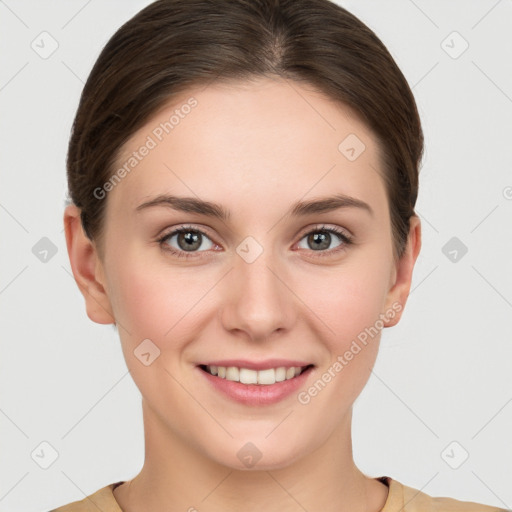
{"points": [[210, 209]]}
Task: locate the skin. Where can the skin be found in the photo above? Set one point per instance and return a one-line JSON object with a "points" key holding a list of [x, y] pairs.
{"points": [[256, 148]]}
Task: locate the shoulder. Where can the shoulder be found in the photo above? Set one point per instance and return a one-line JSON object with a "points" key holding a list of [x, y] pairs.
{"points": [[407, 499], [103, 499]]}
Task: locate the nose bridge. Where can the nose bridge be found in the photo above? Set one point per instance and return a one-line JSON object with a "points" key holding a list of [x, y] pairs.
{"points": [[259, 302]]}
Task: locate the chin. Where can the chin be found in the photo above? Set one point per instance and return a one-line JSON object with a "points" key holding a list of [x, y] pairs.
{"points": [[261, 455]]}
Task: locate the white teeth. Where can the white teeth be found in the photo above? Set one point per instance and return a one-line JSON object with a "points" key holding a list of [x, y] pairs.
{"points": [[233, 373], [280, 374], [265, 376], [247, 376]]}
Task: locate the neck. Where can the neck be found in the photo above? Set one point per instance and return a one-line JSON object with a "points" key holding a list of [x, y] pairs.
{"points": [[178, 476]]}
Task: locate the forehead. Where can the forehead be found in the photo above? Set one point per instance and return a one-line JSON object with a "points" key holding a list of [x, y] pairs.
{"points": [[268, 140]]}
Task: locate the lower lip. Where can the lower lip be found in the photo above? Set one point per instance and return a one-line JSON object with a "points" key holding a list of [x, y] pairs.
{"points": [[254, 394]]}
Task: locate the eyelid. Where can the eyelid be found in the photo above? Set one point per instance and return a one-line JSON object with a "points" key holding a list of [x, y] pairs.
{"points": [[305, 231], [325, 227], [169, 233], [343, 234]]}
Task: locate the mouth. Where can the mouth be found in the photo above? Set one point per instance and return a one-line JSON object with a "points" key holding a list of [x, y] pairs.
{"points": [[249, 376], [256, 384]]}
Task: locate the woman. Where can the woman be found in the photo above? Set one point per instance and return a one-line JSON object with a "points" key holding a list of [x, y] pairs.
{"points": [[243, 177]]}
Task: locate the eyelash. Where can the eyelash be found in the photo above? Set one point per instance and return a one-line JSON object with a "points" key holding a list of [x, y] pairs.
{"points": [[345, 238]]}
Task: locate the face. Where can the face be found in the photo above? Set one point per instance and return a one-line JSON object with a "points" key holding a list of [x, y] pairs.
{"points": [[309, 286]]}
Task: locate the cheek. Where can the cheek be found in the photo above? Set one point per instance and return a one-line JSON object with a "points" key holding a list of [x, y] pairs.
{"points": [[161, 306], [155, 303], [350, 306], [349, 299]]}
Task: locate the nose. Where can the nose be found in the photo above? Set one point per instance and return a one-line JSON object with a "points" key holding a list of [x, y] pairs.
{"points": [[257, 299]]}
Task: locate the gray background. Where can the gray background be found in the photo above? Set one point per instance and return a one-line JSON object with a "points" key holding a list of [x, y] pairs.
{"points": [[442, 385]]}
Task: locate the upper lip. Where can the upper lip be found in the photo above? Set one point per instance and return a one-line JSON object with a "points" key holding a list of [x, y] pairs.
{"points": [[256, 365]]}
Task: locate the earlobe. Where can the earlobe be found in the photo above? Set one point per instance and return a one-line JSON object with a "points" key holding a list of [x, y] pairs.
{"points": [[86, 265], [399, 292]]}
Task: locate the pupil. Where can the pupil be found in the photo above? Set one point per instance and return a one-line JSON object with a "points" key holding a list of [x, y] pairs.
{"points": [[191, 240], [320, 240]]}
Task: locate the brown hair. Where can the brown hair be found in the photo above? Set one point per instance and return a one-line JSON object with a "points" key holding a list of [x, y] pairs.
{"points": [[172, 45]]}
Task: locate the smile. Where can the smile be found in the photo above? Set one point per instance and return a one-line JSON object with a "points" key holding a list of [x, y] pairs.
{"points": [[265, 377]]}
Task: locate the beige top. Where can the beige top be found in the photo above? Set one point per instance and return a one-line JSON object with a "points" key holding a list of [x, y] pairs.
{"points": [[400, 499]]}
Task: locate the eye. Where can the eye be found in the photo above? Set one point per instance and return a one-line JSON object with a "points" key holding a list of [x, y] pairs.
{"points": [[320, 239], [185, 239]]}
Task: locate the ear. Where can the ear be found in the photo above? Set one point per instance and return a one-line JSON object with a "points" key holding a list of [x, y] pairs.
{"points": [[402, 275], [87, 268]]}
